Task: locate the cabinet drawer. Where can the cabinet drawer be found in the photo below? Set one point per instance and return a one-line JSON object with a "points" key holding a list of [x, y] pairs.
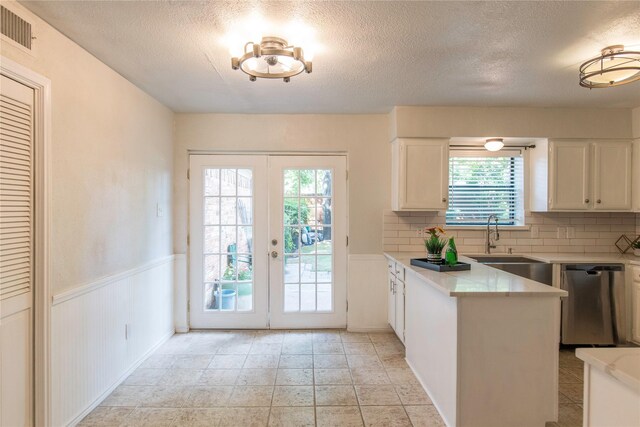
{"points": [[399, 271], [636, 274]]}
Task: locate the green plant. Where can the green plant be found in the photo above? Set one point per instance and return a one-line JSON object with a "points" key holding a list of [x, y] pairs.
{"points": [[243, 273], [434, 243], [636, 245]]}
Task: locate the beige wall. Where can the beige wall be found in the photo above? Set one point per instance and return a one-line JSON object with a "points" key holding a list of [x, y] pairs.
{"points": [[511, 122], [111, 158], [635, 117], [362, 137]]}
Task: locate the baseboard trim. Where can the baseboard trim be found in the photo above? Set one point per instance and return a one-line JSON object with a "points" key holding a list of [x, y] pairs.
{"points": [[106, 280], [119, 381]]}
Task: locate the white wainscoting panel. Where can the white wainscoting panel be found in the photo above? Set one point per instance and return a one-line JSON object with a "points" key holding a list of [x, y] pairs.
{"points": [[367, 293], [101, 331], [180, 294]]}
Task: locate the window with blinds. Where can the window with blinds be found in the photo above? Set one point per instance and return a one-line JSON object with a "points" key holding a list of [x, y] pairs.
{"points": [[16, 189], [483, 184]]}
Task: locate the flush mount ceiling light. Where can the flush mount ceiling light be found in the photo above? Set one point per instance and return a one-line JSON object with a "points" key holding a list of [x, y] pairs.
{"points": [[614, 67], [494, 144], [273, 58]]}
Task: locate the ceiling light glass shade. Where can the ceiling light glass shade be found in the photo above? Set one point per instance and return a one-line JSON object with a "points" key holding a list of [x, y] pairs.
{"points": [[614, 67], [273, 58], [494, 144]]}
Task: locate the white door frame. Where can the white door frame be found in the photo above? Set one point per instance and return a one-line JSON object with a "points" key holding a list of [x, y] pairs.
{"points": [[185, 302], [42, 182]]}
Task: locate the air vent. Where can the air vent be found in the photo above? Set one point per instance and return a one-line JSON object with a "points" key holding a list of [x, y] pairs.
{"points": [[15, 28]]}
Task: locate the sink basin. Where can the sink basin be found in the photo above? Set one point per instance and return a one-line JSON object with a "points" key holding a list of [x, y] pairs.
{"points": [[503, 259], [520, 266]]}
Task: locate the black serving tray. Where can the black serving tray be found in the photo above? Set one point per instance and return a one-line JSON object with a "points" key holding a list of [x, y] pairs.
{"points": [[422, 262]]}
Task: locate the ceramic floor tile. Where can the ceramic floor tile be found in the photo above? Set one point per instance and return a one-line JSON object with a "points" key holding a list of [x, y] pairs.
{"points": [[384, 337], [296, 361], [208, 396], [166, 397], [261, 376], [385, 416], [363, 361], [573, 391], [332, 376], [401, 376], [338, 416], [293, 396], [227, 361], [576, 372], [295, 377], [145, 376], [127, 395], [359, 348], [251, 396], [181, 377], [370, 376], [192, 361], [298, 337], [269, 337], [567, 377], [106, 416], [266, 348], [234, 348], [424, 416], [159, 361], [335, 395], [412, 394], [292, 417], [359, 337], [330, 361], [297, 347], [244, 417], [255, 361], [387, 349], [326, 337], [377, 395], [198, 417], [202, 348], [394, 361], [328, 348], [151, 417], [219, 377]]}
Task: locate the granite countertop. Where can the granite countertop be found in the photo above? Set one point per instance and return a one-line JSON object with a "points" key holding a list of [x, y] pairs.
{"points": [[622, 363], [481, 280]]}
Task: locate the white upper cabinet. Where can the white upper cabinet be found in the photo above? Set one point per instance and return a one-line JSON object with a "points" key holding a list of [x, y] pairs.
{"points": [[581, 175], [569, 175], [612, 175], [419, 174]]}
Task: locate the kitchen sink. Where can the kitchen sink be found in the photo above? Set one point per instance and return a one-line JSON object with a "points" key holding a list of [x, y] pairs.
{"points": [[520, 266], [502, 259]]}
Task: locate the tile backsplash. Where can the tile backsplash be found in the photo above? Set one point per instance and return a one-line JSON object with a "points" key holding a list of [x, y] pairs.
{"points": [[557, 232]]}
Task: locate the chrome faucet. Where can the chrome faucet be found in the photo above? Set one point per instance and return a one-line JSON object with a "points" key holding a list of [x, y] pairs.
{"points": [[489, 246]]}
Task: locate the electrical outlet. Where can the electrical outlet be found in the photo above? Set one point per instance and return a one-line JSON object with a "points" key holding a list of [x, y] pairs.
{"points": [[419, 232], [571, 232], [561, 232], [159, 210]]}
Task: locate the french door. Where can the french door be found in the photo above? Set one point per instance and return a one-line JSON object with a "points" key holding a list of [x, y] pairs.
{"points": [[267, 241]]}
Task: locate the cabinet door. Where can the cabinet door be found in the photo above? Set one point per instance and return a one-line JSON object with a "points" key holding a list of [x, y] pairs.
{"points": [[569, 175], [391, 297], [400, 309], [635, 307], [421, 174], [612, 175]]}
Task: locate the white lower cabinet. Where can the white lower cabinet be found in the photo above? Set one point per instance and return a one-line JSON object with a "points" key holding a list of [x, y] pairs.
{"points": [[635, 304], [395, 298]]}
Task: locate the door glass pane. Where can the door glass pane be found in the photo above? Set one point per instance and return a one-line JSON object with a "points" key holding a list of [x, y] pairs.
{"points": [[228, 240], [308, 261]]}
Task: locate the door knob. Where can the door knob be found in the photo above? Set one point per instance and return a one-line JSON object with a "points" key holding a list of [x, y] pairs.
{"points": [[444, 199], [586, 200], [274, 254], [274, 242]]}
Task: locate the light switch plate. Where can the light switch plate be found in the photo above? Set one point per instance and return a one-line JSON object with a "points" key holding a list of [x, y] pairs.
{"points": [[535, 232], [561, 233], [571, 232]]}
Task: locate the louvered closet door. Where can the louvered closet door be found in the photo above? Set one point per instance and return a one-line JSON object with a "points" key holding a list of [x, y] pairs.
{"points": [[16, 253]]}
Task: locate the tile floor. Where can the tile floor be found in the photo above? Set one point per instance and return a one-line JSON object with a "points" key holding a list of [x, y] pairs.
{"points": [[274, 378], [288, 378]]}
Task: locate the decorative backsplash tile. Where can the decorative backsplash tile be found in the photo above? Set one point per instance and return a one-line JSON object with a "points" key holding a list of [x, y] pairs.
{"points": [[557, 232]]}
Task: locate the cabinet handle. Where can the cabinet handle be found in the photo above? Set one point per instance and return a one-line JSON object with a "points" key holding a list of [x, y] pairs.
{"points": [[598, 201], [444, 199], [586, 200]]}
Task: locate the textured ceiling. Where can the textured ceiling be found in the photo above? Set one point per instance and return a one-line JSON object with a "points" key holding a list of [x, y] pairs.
{"points": [[375, 54]]}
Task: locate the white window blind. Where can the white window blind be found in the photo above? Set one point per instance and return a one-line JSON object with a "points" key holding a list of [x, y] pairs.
{"points": [[16, 188], [483, 184]]}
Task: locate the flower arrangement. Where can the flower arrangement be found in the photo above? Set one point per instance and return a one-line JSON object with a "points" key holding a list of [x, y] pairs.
{"points": [[636, 248], [434, 244]]}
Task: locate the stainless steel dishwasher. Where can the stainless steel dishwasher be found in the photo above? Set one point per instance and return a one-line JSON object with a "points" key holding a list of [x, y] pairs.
{"points": [[594, 311]]}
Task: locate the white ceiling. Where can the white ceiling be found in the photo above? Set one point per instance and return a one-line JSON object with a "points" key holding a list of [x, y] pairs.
{"points": [[376, 54]]}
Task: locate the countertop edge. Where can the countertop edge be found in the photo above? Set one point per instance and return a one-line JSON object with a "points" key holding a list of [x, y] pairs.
{"points": [[586, 355]]}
